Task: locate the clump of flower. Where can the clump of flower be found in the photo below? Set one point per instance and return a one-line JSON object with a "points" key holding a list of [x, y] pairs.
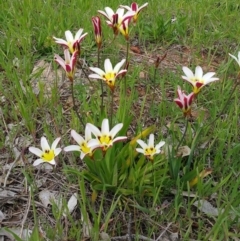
{"points": [[72, 43], [110, 74], [236, 58], [184, 101], [198, 80], [105, 137], [97, 30], [149, 149], [134, 8], [68, 64], [85, 145], [118, 21], [47, 154]]}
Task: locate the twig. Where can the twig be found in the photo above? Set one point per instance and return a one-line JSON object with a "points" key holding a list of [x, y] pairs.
{"points": [[184, 134], [225, 106], [129, 227], [11, 167], [26, 214], [163, 232], [79, 62], [136, 236], [75, 107]]}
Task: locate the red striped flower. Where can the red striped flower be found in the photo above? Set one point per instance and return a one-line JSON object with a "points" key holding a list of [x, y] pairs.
{"points": [[134, 8], [97, 30], [184, 101]]}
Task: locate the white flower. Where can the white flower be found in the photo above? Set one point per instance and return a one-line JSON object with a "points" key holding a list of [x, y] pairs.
{"points": [[105, 138], [85, 146], [149, 150], [47, 154], [236, 58], [110, 74], [134, 8], [198, 80], [118, 21], [71, 42], [68, 64]]}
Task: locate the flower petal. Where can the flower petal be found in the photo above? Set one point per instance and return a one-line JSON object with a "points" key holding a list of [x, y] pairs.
{"points": [[118, 66], [79, 139], [126, 7], [96, 76], [60, 61], [234, 57], [36, 151], [189, 74], [55, 143], [120, 12], [69, 36], [108, 66], [52, 162], [88, 134], [105, 127], [120, 138], [143, 6], [82, 37], [96, 132], [78, 34], [57, 151], [94, 143], [109, 12], [44, 144], [72, 148], [140, 150], [198, 72], [160, 144], [142, 144], [151, 140], [97, 70], [210, 80], [60, 41], [37, 162], [82, 155], [115, 130], [208, 75]]}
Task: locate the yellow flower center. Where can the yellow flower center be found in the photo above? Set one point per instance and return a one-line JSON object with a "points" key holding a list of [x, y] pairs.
{"points": [[105, 140], [110, 79], [70, 47], [84, 148], [48, 155], [149, 151]]}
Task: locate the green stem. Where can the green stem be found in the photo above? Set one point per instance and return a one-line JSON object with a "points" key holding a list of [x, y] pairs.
{"points": [[75, 107], [154, 84], [125, 79], [101, 81], [111, 108], [79, 62], [183, 136], [225, 106]]}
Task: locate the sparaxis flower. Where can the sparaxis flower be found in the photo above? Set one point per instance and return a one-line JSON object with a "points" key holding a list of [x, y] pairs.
{"points": [[236, 58], [136, 9], [184, 101], [198, 80], [85, 145], [47, 154], [118, 21], [104, 137], [97, 30], [110, 74], [68, 64], [72, 43], [149, 149]]}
